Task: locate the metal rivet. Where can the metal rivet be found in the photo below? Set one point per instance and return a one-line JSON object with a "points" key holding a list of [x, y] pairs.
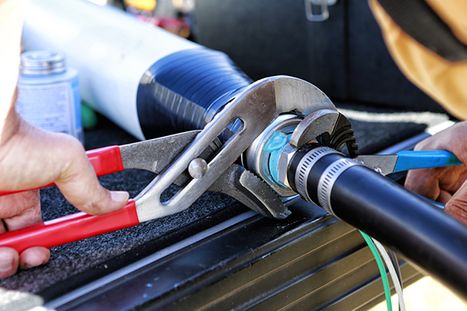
{"points": [[197, 168]]}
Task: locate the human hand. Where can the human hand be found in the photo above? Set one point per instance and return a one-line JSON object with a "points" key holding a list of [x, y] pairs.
{"points": [[29, 158], [448, 184]]}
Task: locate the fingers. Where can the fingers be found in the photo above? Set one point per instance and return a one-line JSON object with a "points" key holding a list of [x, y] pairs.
{"points": [[9, 260], [33, 157], [457, 206], [33, 257], [440, 183], [57, 158], [18, 211], [424, 182], [444, 197], [15, 204], [452, 139], [30, 258], [79, 184]]}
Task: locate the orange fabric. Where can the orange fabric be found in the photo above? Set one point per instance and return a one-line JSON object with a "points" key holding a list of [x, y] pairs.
{"points": [[454, 14], [444, 81]]}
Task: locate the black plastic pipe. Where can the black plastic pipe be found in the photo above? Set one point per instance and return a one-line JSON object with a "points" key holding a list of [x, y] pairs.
{"points": [[396, 217]]}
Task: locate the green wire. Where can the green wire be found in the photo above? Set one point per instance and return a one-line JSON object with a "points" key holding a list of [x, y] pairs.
{"points": [[381, 267]]}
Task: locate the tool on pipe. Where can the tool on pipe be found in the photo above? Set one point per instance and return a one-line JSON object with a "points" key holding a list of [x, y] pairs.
{"points": [[263, 143]]}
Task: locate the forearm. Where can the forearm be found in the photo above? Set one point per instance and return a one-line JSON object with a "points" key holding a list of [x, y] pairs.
{"points": [[11, 21]]}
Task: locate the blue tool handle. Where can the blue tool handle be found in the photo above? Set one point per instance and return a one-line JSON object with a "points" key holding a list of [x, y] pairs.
{"points": [[409, 160]]}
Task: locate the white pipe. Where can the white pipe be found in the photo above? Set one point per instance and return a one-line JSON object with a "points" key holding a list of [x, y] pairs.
{"points": [[110, 49]]}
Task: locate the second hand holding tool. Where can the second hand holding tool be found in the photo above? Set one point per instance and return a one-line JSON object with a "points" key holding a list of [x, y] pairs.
{"points": [[405, 160]]}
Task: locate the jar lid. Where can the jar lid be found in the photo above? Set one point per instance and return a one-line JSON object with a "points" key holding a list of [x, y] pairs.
{"points": [[42, 63]]}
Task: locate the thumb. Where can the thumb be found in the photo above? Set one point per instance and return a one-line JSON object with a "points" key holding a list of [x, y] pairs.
{"points": [[80, 186], [457, 206]]}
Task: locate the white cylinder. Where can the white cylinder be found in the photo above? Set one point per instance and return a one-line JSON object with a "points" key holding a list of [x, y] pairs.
{"points": [[110, 49]]}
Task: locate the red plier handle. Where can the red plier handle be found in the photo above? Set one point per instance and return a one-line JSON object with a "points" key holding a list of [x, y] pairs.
{"points": [[104, 160], [77, 226], [69, 228], [152, 155]]}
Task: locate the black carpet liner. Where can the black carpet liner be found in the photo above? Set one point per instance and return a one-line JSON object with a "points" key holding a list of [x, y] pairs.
{"points": [[77, 263]]}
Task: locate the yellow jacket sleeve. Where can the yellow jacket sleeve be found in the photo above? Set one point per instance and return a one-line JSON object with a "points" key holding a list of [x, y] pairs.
{"points": [[444, 81]]}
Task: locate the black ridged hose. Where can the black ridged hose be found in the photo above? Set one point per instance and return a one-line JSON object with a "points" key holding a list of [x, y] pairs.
{"points": [[184, 90]]}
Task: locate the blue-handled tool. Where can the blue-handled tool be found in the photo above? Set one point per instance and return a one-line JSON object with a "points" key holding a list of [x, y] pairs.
{"points": [[409, 160]]}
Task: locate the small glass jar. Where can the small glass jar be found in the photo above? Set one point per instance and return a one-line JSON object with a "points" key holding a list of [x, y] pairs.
{"points": [[48, 93]]}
